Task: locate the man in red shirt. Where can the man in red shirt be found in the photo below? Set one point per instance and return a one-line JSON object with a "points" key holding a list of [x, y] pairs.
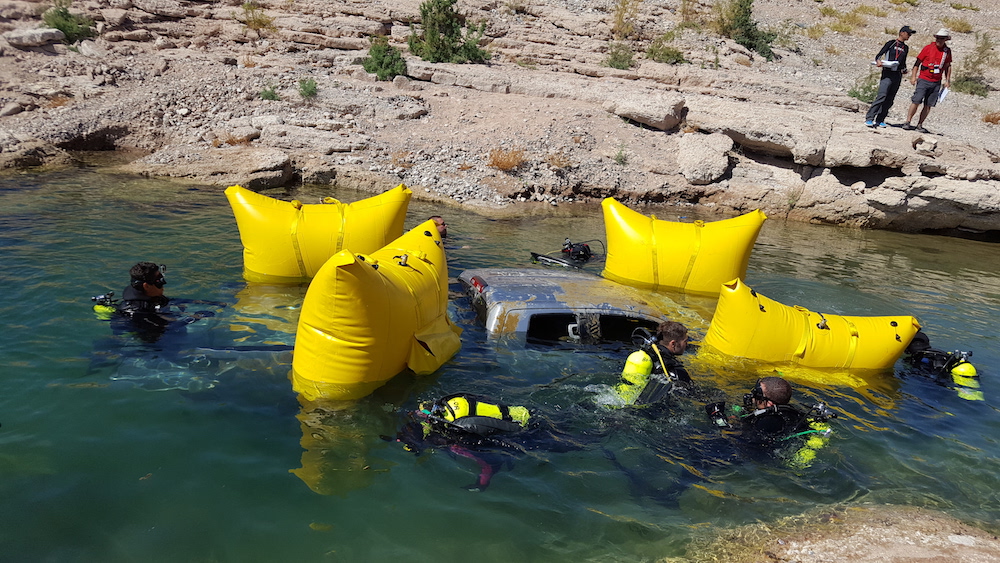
{"points": [[934, 66]]}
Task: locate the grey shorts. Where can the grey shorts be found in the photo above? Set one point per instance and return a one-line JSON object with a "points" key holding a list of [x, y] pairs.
{"points": [[926, 92]]}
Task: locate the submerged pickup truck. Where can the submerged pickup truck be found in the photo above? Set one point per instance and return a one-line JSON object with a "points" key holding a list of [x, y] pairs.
{"points": [[552, 306]]}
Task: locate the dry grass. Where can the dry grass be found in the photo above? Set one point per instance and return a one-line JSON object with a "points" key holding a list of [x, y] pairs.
{"points": [[832, 49], [465, 166], [743, 60], [248, 61], [815, 31], [868, 10], [506, 160], [992, 117], [402, 159], [841, 27], [958, 25], [58, 101], [558, 160]]}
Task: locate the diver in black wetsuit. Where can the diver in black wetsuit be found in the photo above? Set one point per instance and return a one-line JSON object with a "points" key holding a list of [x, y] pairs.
{"points": [[654, 371], [489, 433], [950, 369], [143, 302]]}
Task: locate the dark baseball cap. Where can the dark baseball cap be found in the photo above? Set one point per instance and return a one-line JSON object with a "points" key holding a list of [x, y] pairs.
{"points": [[907, 29]]}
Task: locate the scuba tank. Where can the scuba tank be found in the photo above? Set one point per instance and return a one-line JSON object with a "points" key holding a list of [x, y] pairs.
{"points": [[474, 414], [105, 305]]}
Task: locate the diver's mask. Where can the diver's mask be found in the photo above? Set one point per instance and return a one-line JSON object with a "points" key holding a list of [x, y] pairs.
{"points": [[756, 394]]}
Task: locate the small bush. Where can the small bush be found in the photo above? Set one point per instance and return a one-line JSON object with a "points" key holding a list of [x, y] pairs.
{"points": [[73, 26], [975, 85], [866, 88], [269, 93], [958, 25], [558, 160], [625, 12], [442, 39], [815, 31], [734, 19], [661, 52], [619, 56], [868, 10], [621, 157], [384, 60], [964, 7], [307, 88], [506, 160], [970, 77], [992, 117], [254, 18], [828, 11], [913, 3]]}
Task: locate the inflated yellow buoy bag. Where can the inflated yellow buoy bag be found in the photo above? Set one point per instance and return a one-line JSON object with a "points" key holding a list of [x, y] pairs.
{"points": [[696, 257], [749, 325], [365, 318], [288, 241]]}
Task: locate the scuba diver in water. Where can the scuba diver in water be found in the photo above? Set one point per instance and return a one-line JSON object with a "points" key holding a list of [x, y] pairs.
{"points": [[143, 302], [489, 433], [947, 368], [654, 372], [767, 421]]}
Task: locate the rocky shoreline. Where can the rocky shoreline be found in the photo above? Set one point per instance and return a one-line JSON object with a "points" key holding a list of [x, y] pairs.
{"points": [[728, 133]]}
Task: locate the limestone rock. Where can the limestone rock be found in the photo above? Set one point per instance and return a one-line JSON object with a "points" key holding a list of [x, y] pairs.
{"points": [[252, 167], [703, 159], [663, 112], [33, 37], [165, 8]]}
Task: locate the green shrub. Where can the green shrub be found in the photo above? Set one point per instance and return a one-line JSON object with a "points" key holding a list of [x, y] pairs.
{"points": [[625, 12], [661, 52], [866, 87], [384, 60], [619, 56], [975, 85], [73, 26], [970, 77], [307, 88], [269, 93], [254, 18], [442, 39], [734, 19]]}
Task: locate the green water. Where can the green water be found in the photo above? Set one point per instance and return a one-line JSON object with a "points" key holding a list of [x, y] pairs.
{"points": [[111, 451]]}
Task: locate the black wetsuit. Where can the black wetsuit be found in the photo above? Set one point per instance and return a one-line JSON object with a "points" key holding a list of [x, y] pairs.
{"points": [[144, 315], [664, 378], [767, 427]]}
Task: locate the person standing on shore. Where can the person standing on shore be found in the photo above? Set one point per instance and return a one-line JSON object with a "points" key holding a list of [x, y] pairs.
{"points": [[892, 60], [934, 66]]}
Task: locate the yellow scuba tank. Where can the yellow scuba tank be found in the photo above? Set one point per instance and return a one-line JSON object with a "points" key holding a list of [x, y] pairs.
{"points": [[966, 377], [635, 376], [819, 437], [105, 306]]}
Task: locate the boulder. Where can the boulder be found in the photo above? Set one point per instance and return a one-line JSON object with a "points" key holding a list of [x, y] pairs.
{"points": [[33, 37], [663, 111], [703, 159], [252, 167], [165, 8]]}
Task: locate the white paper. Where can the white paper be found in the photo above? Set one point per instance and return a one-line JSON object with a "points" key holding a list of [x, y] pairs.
{"points": [[941, 96]]}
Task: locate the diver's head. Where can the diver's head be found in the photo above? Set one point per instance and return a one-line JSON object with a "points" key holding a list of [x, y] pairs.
{"points": [[768, 392], [442, 227], [673, 336], [148, 278]]}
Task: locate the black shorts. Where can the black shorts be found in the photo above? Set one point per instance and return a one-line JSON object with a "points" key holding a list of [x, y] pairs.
{"points": [[926, 93]]}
